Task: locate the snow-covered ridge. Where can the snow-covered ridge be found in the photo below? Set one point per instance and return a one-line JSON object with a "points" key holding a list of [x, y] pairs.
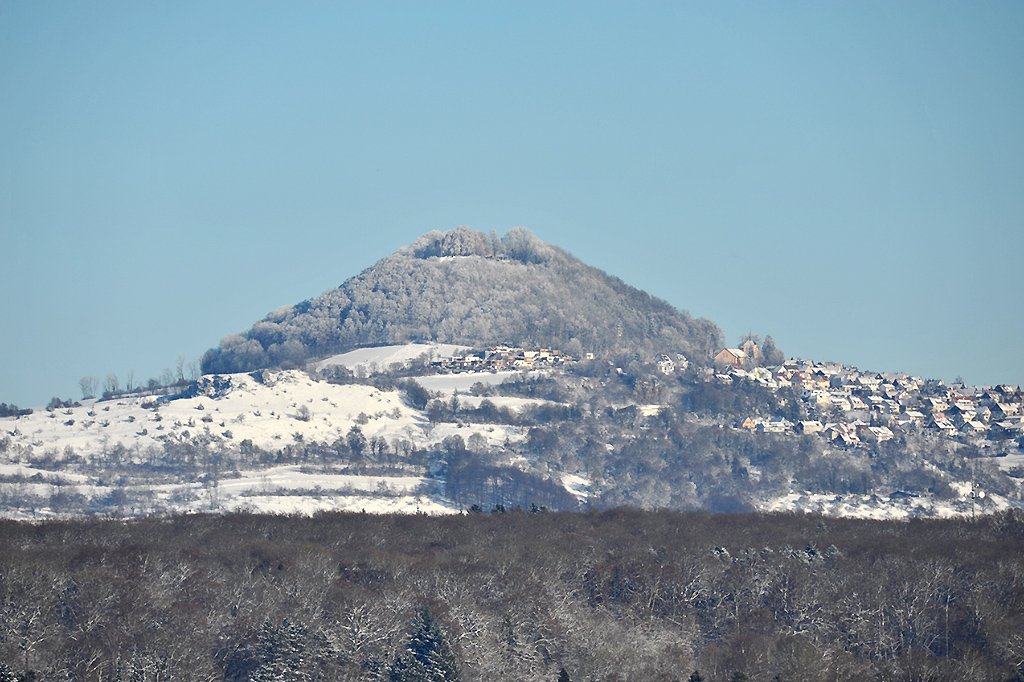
{"points": [[50, 453], [269, 409]]}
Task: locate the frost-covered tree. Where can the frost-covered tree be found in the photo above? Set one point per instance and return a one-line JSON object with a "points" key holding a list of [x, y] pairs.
{"points": [[470, 288], [88, 385]]}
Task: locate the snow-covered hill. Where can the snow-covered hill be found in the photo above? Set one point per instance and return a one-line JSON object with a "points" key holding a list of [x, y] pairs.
{"points": [[288, 441], [89, 451]]}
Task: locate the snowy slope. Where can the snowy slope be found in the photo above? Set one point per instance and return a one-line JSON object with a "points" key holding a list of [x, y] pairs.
{"points": [[232, 407], [383, 357], [47, 452]]}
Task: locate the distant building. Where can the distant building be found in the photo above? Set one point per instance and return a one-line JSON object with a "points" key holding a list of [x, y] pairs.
{"points": [[731, 356], [751, 350], [665, 364]]}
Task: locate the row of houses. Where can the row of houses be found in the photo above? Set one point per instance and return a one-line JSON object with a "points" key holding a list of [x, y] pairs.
{"points": [[842, 433], [504, 357], [856, 406]]}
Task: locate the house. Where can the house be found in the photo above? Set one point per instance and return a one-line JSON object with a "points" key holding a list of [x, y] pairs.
{"points": [[840, 402], [774, 425], [942, 425], [665, 364], [935, 405], [807, 427], [731, 356], [1001, 411], [857, 403], [843, 434], [973, 428], [910, 417], [1010, 392], [878, 434], [818, 397], [962, 402]]}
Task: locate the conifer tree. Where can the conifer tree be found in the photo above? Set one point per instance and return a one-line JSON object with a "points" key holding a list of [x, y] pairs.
{"points": [[6, 674], [427, 656], [281, 651]]}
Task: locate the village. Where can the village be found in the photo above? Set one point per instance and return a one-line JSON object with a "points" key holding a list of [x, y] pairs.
{"points": [[849, 407], [502, 358], [843, 404]]}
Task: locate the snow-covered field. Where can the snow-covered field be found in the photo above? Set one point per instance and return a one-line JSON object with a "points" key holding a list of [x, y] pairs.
{"points": [[383, 357], [281, 489], [285, 407], [462, 382], [883, 507], [270, 410]]}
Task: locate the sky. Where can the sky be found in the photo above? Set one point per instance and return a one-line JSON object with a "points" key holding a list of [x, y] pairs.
{"points": [[846, 177]]}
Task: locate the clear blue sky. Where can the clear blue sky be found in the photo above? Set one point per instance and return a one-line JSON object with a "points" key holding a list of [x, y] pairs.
{"points": [[847, 177]]}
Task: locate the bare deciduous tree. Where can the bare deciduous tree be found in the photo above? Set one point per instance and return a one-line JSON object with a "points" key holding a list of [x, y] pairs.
{"points": [[88, 384]]}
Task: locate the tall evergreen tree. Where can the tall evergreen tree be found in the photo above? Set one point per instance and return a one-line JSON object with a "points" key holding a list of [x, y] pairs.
{"points": [[281, 652], [427, 656]]}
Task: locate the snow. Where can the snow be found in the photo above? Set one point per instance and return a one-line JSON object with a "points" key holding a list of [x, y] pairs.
{"points": [[384, 356], [269, 412], [883, 507], [513, 404], [464, 381], [577, 485], [1011, 461]]}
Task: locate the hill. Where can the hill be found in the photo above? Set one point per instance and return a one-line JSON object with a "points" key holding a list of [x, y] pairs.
{"points": [[610, 399], [468, 288]]}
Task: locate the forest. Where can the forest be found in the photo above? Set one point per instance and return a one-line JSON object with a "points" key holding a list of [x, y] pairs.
{"points": [[513, 594], [465, 286]]}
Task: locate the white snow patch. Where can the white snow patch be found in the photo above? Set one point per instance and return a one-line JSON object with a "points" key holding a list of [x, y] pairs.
{"points": [[463, 381], [577, 485]]}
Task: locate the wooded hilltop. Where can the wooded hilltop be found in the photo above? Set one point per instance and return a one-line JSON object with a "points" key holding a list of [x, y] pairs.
{"points": [[471, 288]]}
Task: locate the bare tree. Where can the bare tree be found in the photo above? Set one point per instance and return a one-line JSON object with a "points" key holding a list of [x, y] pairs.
{"points": [[180, 367], [111, 384], [88, 385]]}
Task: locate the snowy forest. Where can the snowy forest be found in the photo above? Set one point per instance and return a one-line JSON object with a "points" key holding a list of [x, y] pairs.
{"points": [[513, 595], [464, 286]]}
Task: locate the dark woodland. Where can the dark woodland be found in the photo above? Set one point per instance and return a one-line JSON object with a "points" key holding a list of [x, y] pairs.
{"points": [[510, 594]]}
